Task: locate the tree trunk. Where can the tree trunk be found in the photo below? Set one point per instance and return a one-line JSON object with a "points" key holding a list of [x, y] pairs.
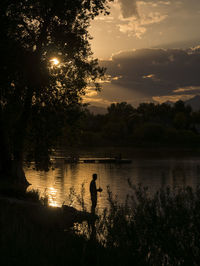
{"points": [[11, 159], [11, 171], [18, 173], [5, 156], [19, 139], [11, 162]]}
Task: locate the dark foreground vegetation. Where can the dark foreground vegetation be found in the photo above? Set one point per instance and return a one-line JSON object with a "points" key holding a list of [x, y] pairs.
{"points": [[159, 230], [148, 125]]}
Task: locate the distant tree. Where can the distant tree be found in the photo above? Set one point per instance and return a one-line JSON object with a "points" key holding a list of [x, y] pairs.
{"points": [[195, 121], [149, 132], [182, 115], [122, 114], [179, 106], [147, 109], [180, 120], [165, 114], [118, 110], [115, 132], [46, 64]]}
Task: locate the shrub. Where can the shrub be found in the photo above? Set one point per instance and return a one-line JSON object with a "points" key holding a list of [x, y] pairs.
{"points": [[162, 229]]}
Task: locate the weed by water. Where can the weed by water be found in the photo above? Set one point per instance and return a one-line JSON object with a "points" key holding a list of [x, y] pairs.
{"points": [[159, 229], [162, 229]]}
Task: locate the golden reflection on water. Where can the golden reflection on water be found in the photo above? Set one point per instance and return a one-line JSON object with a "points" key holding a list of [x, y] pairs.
{"points": [[52, 194], [153, 173], [56, 184]]}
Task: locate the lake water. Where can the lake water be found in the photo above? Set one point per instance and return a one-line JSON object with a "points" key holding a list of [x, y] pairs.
{"points": [[155, 170]]}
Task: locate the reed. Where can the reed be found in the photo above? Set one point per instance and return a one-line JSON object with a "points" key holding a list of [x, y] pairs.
{"points": [[159, 229]]}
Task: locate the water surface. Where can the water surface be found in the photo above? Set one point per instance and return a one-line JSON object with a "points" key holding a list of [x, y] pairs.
{"points": [[152, 171]]}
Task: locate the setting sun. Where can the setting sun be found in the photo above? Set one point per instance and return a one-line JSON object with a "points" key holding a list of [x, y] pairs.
{"points": [[54, 61]]}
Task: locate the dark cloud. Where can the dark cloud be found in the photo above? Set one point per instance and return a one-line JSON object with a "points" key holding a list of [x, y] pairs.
{"points": [[156, 72], [128, 8]]}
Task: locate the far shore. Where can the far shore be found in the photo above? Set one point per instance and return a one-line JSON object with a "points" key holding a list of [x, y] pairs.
{"points": [[132, 151]]}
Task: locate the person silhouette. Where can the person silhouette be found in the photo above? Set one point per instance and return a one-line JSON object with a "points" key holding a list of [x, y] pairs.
{"points": [[93, 192]]}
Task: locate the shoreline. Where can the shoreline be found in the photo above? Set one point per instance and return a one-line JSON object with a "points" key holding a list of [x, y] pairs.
{"points": [[132, 152]]}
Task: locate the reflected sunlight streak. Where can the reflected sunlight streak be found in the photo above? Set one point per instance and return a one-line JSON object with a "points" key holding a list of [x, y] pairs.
{"points": [[51, 194]]}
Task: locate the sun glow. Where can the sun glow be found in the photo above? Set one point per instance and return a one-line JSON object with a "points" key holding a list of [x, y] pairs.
{"points": [[55, 61]]}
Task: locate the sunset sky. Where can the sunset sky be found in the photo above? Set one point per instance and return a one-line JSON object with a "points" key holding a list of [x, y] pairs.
{"points": [[150, 49]]}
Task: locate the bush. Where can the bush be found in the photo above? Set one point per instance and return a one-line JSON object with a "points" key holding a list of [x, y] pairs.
{"points": [[159, 229], [162, 229], [150, 132]]}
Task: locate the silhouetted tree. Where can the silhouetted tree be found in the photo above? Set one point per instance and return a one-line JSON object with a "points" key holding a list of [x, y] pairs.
{"points": [[122, 117], [35, 93], [149, 124]]}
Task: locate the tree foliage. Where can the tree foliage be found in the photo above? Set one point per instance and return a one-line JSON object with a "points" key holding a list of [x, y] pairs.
{"points": [[33, 89], [147, 125]]}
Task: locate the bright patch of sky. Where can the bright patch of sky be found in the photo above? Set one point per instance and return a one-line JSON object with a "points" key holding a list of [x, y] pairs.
{"points": [[137, 42], [143, 24]]}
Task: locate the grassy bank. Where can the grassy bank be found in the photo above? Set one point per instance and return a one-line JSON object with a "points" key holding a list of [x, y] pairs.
{"points": [[158, 230], [30, 240]]}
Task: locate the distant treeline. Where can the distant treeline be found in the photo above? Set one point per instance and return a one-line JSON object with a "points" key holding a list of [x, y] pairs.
{"points": [[148, 124]]}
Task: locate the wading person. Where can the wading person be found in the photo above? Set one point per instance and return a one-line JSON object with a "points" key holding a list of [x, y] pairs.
{"points": [[93, 192]]}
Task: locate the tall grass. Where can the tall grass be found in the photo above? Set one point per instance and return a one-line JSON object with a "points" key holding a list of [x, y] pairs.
{"points": [[159, 229], [163, 229]]}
